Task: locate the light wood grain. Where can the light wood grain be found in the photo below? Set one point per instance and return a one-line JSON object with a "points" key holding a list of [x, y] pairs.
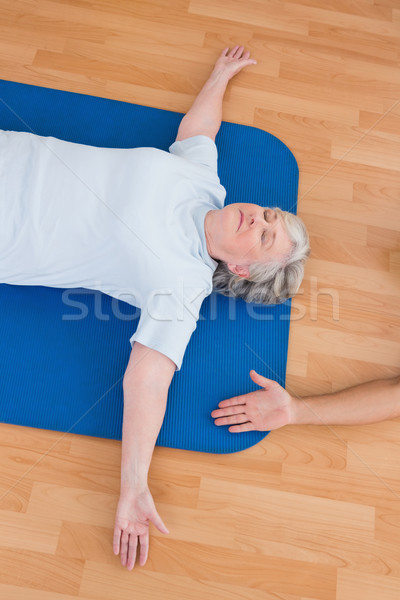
{"points": [[309, 513]]}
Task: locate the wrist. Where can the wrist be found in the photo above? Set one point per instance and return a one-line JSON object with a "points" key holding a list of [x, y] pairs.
{"points": [[306, 411], [219, 77], [134, 477], [296, 411], [133, 485]]}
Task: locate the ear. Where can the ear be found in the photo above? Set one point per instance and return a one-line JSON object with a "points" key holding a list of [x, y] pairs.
{"points": [[242, 271]]}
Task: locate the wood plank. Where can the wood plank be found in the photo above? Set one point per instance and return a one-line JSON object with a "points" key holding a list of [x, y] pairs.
{"points": [[368, 586], [253, 13]]}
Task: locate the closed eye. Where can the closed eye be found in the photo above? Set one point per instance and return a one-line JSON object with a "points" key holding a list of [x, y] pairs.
{"points": [[264, 233]]}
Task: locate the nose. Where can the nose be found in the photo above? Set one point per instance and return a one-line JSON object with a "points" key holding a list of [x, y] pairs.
{"points": [[256, 220], [260, 218]]}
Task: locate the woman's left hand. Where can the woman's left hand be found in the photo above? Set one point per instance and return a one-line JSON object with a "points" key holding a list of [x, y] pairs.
{"points": [[134, 513], [231, 62]]}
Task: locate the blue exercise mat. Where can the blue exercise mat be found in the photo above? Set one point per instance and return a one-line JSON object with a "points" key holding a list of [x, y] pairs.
{"points": [[62, 363]]}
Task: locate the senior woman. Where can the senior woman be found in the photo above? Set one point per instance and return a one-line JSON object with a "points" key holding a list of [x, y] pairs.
{"points": [[148, 227]]}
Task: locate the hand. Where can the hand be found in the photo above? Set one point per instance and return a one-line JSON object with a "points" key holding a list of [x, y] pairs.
{"points": [[230, 64], [262, 410], [134, 512]]}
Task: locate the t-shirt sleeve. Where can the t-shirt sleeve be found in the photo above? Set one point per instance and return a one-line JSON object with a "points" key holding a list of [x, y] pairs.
{"points": [[198, 149], [168, 319]]}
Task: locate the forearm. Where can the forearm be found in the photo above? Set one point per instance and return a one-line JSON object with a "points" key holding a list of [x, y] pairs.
{"points": [[145, 386], [205, 113], [143, 416], [366, 403]]}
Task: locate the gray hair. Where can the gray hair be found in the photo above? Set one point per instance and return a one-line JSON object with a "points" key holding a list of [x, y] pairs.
{"points": [[272, 282]]}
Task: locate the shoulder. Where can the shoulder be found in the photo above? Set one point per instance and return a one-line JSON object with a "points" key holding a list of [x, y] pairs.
{"points": [[199, 149]]}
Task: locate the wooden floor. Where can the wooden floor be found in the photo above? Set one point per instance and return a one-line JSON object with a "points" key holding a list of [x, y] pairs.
{"points": [[311, 513]]}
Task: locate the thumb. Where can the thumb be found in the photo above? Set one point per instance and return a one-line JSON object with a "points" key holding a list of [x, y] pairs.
{"points": [[260, 380], [158, 522], [244, 63]]}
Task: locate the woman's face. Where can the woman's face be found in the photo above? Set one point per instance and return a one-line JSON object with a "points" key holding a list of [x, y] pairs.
{"points": [[242, 234]]}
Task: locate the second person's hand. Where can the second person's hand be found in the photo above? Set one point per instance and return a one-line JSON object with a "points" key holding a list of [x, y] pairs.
{"points": [[262, 410]]}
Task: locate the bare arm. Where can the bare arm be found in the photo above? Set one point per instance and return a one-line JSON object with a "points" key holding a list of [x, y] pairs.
{"points": [[146, 383], [273, 407], [205, 115], [369, 402]]}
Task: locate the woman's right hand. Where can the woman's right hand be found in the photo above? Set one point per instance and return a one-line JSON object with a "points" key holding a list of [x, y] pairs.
{"points": [[262, 410], [231, 62]]}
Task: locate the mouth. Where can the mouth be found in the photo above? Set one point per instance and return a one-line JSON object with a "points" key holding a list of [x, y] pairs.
{"points": [[240, 220]]}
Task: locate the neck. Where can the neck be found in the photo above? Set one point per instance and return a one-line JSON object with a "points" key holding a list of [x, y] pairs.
{"points": [[207, 226]]}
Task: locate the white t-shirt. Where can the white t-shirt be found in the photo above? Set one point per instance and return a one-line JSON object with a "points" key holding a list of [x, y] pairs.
{"points": [[127, 222]]}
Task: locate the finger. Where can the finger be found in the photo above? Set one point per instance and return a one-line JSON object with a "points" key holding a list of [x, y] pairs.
{"points": [[158, 522], [246, 55], [233, 420], [225, 51], [116, 540], [124, 547], [238, 52], [241, 428], [232, 401], [144, 548], [247, 62], [227, 412], [132, 548], [232, 52], [260, 380]]}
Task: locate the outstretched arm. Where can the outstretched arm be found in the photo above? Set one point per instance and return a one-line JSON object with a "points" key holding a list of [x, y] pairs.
{"points": [[205, 115], [146, 383], [273, 407]]}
